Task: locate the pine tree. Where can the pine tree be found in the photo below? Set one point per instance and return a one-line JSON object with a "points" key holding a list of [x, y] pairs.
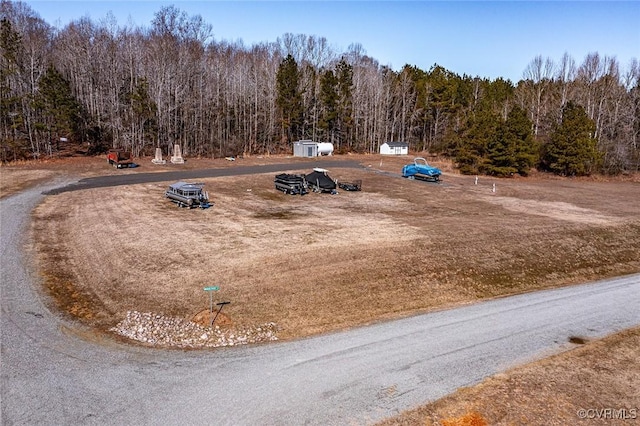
{"points": [[519, 128], [59, 106], [572, 149], [500, 160], [11, 117], [344, 76], [514, 149], [329, 102], [289, 98], [478, 138]]}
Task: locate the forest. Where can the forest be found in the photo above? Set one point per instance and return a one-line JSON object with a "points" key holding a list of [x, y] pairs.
{"points": [[91, 86]]}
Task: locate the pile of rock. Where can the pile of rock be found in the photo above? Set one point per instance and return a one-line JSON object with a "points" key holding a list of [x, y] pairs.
{"points": [[160, 330]]}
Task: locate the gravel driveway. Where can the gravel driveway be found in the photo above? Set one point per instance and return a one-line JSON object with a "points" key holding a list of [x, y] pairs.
{"points": [[137, 178], [57, 372]]}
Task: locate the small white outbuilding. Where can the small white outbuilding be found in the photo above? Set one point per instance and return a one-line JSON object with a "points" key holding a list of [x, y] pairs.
{"points": [[394, 148], [305, 148]]}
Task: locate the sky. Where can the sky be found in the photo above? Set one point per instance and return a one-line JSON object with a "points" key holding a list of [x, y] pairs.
{"points": [[489, 39]]}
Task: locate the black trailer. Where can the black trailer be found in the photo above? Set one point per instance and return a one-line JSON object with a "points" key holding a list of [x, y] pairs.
{"points": [[291, 184], [356, 185]]}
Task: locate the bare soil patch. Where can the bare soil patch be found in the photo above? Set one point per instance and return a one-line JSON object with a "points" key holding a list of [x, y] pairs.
{"points": [[323, 262], [594, 377]]}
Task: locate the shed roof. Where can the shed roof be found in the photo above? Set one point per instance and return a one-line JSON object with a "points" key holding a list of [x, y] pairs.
{"points": [[398, 144]]}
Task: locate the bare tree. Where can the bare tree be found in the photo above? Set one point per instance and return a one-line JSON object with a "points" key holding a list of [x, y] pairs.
{"points": [[537, 77], [565, 74]]}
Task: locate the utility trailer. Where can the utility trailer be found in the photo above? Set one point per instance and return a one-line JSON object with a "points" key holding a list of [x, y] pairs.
{"points": [[356, 185], [189, 195], [420, 169], [120, 158], [291, 184]]}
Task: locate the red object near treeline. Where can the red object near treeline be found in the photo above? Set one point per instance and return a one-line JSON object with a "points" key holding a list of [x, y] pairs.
{"points": [[119, 158]]}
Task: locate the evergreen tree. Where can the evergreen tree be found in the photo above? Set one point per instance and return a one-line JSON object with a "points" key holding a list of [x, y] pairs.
{"points": [[514, 149], [519, 128], [421, 107], [572, 149], [289, 98], [446, 97], [344, 76], [477, 139], [59, 106], [500, 160], [11, 120], [329, 100]]}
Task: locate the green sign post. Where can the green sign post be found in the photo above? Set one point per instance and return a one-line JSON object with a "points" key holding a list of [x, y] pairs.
{"points": [[210, 290]]}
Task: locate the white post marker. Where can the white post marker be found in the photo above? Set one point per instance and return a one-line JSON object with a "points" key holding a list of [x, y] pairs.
{"points": [[158, 159], [476, 180], [494, 188], [177, 155]]}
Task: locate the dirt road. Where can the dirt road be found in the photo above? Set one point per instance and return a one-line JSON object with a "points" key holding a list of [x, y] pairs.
{"points": [[57, 372]]}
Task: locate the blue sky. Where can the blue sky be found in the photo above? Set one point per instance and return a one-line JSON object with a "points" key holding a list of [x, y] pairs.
{"points": [[479, 38]]}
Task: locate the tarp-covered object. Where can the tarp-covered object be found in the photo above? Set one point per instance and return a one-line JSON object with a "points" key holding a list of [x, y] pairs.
{"points": [[320, 181]]}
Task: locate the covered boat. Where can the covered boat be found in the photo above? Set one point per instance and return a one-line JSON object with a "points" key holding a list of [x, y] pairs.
{"points": [[319, 181], [188, 195], [422, 170]]}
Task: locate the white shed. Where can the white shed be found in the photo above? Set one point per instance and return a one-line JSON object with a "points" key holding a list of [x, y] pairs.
{"points": [[394, 148], [305, 148]]}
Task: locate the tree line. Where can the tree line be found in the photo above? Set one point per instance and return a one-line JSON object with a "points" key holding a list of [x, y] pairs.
{"points": [[100, 85]]}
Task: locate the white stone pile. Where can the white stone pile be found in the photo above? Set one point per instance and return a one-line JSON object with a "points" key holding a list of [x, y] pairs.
{"points": [[161, 330]]}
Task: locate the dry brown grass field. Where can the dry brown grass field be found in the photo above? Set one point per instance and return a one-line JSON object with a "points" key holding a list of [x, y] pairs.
{"points": [[321, 263]]}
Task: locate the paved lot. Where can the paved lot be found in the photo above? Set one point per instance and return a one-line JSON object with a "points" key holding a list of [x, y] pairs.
{"points": [[137, 178]]}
